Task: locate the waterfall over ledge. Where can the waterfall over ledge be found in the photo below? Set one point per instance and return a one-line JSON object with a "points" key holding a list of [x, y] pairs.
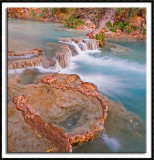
{"points": [[65, 49]]}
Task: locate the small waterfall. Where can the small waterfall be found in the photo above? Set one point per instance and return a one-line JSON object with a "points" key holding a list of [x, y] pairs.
{"points": [[82, 46], [76, 47], [21, 57], [79, 44], [24, 58], [46, 63], [23, 63], [112, 143], [63, 56], [57, 66], [92, 44]]}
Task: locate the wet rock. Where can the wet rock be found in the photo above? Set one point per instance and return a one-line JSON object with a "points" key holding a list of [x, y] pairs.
{"points": [[117, 48], [61, 102], [25, 58], [82, 46], [73, 49], [83, 43], [25, 52], [56, 135], [28, 58], [92, 44], [62, 55], [68, 39]]}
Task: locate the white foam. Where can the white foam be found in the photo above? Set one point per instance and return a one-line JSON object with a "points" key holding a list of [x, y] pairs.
{"points": [[106, 84], [21, 57], [41, 69], [19, 71], [80, 52], [112, 143], [106, 61]]}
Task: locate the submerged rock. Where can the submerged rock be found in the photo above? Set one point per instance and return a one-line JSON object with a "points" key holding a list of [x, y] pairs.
{"points": [[62, 108], [117, 48]]}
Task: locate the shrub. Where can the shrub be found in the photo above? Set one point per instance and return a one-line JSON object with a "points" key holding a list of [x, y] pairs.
{"points": [[21, 13], [73, 22], [134, 11], [45, 9], [144, 31], [121, 25], [120, 11], [41, 15], [108, 24], [131, 28], [113, 29], [33, 14], [101, 38], [67, 11]]}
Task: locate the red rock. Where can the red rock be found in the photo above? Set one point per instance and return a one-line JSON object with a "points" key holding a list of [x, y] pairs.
{"points": [[138, 21], [56, 135], [63, 82]]}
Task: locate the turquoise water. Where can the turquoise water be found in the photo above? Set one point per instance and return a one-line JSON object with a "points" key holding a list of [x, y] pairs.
{"points": [[37, 34], [120, 76]]}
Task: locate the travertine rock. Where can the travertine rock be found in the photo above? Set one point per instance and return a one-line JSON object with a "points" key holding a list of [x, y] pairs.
{"points": [[62, 102]]}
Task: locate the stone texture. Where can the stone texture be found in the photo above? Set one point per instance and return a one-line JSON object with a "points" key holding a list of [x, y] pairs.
{"points": [[56, 135], [59, 101], [28, 58]]}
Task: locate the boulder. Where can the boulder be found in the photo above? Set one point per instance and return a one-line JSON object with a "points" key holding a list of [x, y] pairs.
{"points": [[61, 108]]}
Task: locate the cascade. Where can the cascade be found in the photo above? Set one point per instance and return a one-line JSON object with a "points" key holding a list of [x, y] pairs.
{"points": [[62, 55], [111, 142], [23, 63], [25, 58], [82, 46], [47, 62], [92, 44]]}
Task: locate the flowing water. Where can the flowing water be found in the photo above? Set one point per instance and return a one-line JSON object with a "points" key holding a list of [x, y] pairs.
{"points": [[119, 76]]}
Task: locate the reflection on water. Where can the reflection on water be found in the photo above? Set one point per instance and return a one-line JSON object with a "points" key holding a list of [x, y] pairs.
{"points": [[120, 76]]}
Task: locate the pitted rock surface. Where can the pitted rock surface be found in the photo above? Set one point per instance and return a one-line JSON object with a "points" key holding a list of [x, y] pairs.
{"points": [[64, 101]]}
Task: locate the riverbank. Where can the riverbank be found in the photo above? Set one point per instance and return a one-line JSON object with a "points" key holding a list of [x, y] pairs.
{"points": [[113, 22]]}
